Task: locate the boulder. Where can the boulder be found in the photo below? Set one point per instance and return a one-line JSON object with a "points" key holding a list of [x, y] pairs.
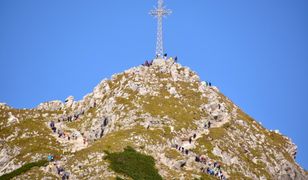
{"points": [[69, 101], [12, 119]]}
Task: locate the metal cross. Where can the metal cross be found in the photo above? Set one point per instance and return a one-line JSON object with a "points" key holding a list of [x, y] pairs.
{"points": [[159, 12]]}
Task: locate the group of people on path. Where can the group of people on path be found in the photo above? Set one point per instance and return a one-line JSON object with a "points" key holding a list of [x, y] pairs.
{"points": [[209, 167], [182, 149], [71, 118], [208, 83], [61, 133], [213, 169], [207, 125], [148, 63], [56, 167], [76, 115], [65, 135]]}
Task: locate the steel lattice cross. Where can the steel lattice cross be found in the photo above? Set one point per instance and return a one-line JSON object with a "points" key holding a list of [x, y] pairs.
{"points": [[160, 12]]}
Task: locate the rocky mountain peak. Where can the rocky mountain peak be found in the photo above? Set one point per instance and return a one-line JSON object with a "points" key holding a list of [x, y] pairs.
{"points": [[162, 109]]}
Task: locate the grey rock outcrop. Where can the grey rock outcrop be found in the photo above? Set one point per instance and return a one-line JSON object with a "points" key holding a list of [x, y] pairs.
{"points": [[51, 106]]}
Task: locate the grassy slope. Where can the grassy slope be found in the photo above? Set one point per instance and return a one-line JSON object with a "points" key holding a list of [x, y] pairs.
{"points": [[32, 136]]}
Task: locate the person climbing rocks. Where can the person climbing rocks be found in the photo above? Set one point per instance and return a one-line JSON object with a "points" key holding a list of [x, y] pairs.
{"points": [[105, 122], [65, 176], [197, 159], [60, 133], [190, 140], [50, 158], [203, 159], [183, 164], [176, 59], [52, 124], [54, 129], [59, 169], [208, 171], [195, 135], [148, 63], [186, 152]]}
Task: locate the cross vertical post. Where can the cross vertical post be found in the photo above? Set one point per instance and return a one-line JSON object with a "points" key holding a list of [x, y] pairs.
{"points": [[160, 12]]}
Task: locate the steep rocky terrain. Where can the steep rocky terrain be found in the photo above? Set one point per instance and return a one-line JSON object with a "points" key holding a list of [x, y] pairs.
{"points": [[164, 111]]}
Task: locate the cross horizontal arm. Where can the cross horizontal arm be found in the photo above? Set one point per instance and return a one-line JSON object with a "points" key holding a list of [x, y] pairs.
{"points": [[160, 12]]}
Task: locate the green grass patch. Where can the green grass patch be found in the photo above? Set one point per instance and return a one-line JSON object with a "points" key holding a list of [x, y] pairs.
{"points": [[217, 133], [173, 154], [133, 164], [205, 147], [159, 106], [277, 140], [23, 169]]}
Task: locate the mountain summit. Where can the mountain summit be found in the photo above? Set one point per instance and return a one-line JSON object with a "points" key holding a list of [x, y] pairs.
{"points": [[154, 121]]}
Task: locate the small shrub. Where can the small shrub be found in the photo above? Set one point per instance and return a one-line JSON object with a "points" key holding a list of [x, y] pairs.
{"points": [[133, 164]]}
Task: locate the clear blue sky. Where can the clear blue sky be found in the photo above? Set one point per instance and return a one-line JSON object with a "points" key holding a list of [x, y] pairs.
{"points": [[256, 52]]}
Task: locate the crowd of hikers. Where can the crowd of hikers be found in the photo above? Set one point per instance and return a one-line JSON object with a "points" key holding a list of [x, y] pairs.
{"points": [[61, 133], [182, 149], [148, 63], [71, 118], [76, 115], [213, 169], [65, 135], [210, 168], [56, 167], [165, 57]]}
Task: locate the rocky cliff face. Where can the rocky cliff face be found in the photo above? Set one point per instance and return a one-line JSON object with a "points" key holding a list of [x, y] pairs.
{"points": [[163, 110]]}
